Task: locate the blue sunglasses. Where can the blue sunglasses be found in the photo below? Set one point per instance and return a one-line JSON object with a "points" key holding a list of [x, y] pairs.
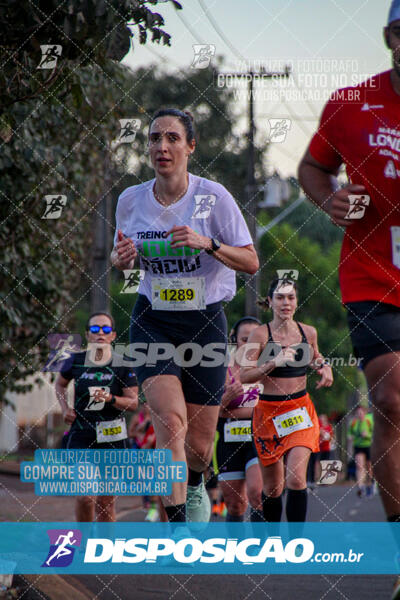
{"points": [[104, 328]]}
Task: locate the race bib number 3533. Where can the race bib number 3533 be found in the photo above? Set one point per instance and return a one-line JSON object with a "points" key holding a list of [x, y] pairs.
{"points": [[111, 431]]}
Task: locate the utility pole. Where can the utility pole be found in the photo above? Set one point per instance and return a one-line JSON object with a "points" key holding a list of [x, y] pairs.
{"points": [[251, 190], [252, 281], [100, 292]]}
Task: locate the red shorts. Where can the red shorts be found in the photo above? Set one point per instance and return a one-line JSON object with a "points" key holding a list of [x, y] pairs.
{"points": [[270, 445]]}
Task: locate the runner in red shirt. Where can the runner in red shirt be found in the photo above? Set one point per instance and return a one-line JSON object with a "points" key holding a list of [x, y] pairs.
{"points": [[325, 438], [360, 127]]}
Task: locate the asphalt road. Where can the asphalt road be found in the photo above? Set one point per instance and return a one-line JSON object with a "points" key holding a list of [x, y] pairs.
{"points": [[218, 587], [326, 503]]}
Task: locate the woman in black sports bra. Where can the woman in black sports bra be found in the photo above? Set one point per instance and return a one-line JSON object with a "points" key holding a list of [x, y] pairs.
{"points": [[285, 423]]}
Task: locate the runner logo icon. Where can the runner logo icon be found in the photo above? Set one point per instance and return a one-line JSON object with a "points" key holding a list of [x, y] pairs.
{"points": [[54, 206], [329, 471], [204, 204], [129, 128], [50, 55], [287, 275], [279, 129], [62, 547], [133, 277], [62, 346], [203, 54], [357, 206]]}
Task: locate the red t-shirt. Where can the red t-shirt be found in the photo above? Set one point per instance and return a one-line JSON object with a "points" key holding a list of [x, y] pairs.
{"points": [[360, 127], [325, 437], [149, 433]]}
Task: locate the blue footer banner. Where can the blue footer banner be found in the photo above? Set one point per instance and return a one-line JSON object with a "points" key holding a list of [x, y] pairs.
{"points": [[223, 548]]}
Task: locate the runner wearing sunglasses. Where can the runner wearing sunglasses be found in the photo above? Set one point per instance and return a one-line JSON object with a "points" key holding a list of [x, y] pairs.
{"points": [[103, 393], [100, 328], [191, 238]]}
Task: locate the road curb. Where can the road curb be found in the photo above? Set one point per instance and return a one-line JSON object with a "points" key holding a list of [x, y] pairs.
{"points": [[10, 468]]}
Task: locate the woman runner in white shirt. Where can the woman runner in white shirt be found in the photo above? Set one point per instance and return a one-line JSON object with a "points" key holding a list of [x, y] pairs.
{"points": [[190, 237]]}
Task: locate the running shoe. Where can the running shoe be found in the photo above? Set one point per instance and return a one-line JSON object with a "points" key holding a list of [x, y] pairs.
{"points": [[180, 532], [198, 507], [396, 590], [215, 510], [223, 511], [298, 551], [361, 492], [152, 515]]}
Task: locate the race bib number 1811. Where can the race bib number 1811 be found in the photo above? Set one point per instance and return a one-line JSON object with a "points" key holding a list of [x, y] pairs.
{"points": [[293, 420]]}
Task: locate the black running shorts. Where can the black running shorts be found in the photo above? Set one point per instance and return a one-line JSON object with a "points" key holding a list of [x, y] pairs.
{"points": [[374, 329], [202, 377], [233, 458], [86, 439], [361, 450]]}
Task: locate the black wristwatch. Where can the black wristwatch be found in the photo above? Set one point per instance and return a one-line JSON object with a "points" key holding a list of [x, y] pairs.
{"points": [[215, 245], [113, 400]]}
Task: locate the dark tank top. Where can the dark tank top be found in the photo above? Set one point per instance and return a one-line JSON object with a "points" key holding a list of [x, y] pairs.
{"points": [[303, 355]]}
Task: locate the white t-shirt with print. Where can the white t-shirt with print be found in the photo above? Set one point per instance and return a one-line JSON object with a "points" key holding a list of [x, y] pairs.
{"points": [[208, 208]]}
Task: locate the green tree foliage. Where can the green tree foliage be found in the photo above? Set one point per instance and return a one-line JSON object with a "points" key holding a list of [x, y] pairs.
{"points": [[89, 31], [311, 222], [220, 155], [307, 219], [56, 132]]}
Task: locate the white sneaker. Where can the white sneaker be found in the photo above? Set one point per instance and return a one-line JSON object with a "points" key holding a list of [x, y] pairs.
{"points": [[152, 515], [181, 531], [198, 505]]}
